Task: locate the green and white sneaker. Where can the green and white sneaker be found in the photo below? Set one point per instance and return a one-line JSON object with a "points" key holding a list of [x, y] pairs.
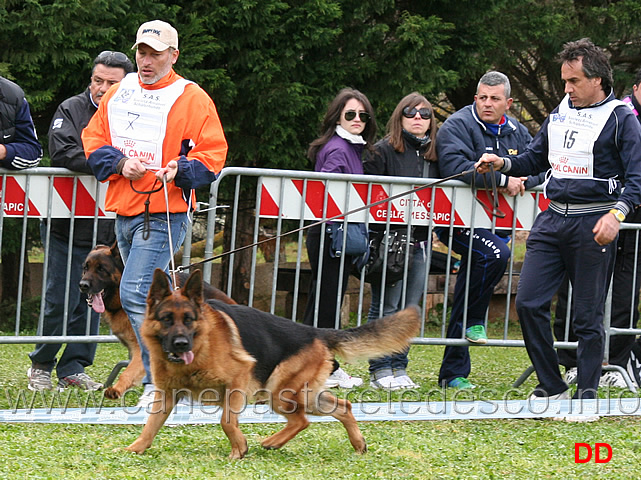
{"points": [[460, 383], [476, 334]]}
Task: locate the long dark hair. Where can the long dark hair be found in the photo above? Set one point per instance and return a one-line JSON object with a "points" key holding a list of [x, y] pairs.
{"points": [[332, 118], [395, 125]]}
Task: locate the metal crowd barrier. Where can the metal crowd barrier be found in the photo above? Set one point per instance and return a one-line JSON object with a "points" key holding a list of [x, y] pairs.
{"points": [[279, 202]]}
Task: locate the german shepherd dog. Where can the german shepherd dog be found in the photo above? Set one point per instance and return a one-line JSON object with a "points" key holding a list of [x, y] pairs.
{"points": [[101, 273], [240, 354]]}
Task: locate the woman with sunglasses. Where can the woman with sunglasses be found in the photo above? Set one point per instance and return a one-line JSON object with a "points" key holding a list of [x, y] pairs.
{"points": [[347, 129], [407, 150]]}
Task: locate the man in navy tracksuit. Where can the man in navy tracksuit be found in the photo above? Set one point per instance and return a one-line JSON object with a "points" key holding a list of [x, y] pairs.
{"points": [[591, 143], [625, 352], [482, 127]]}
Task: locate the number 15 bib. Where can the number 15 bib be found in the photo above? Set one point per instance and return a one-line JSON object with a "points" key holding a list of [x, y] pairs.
{"points": [[571, 137]]}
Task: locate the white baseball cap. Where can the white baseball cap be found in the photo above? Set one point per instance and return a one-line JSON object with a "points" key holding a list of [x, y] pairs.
{"points": [[158, 35]]}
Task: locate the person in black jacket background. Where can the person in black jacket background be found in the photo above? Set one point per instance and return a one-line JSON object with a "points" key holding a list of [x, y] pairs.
{"points": [[66, 150], [408, 150]]}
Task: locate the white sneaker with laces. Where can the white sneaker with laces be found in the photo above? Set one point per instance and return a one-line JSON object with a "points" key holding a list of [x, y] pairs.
{"points": [[612, 379], [386, 383], [147, 396], [570, 375], [39, 379], [341, 379], [559, 396], [405, 382]]}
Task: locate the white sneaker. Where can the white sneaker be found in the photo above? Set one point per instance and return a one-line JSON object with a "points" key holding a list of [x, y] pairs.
{"points": [[612, 379], [570, 375], [189, 401], [559, 396], [147, 396], [405, 382], [386, 383], [342, 380]]}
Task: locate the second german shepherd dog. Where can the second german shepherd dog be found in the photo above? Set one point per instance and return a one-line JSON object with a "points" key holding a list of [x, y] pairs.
{"points": [[238, 354], [101, 273]]}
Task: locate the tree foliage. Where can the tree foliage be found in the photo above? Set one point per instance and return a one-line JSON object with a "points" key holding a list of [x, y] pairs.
{"points": [[273, 65]]}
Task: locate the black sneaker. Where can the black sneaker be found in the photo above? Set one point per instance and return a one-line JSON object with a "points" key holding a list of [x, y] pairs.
{"points": [[80, 380]]}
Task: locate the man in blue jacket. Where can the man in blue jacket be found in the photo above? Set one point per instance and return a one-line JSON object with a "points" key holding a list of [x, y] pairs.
{"points": [[591, 143], [480, 128], [19, 146]]}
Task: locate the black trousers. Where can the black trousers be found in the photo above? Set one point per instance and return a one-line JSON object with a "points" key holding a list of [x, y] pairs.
{"points": [[625, 300]]}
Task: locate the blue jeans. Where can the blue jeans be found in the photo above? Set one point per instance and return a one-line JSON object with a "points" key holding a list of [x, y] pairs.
{"points": [[397, 363], [141, 258], [76, 356], [490, 255]]}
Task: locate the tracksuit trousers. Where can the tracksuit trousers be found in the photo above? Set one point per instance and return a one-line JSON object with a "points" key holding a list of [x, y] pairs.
{"points": [[559, 245]]}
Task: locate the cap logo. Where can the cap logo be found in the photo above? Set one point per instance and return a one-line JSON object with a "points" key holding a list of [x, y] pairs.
{"points": [[151, 30]]}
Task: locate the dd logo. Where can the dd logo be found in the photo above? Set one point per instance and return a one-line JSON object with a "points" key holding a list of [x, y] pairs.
{"points": [[598, 447]]}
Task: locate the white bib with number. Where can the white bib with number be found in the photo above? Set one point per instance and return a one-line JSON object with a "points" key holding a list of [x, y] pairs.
{"points": [[571, 137], [138, 119]]}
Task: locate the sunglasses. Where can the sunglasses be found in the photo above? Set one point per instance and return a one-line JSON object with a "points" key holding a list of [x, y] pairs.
{"points": [[425, 113], [108, 56], [351, 115]]}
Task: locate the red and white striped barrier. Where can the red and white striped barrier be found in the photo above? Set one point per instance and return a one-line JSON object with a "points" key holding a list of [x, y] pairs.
{"points": [[284, 196], [61, 198]]}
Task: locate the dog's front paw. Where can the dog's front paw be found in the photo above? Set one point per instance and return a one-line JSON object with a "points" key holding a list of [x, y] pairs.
{"points": [[136, 447], [112, 393], [238, 452]]}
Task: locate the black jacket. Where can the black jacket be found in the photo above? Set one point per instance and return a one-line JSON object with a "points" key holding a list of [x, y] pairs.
{"points": [[66, 150], [409, 163]]}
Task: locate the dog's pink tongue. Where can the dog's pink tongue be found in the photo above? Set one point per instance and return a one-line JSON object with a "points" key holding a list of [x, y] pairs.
{"points": [[187, 357], [97, 304]]}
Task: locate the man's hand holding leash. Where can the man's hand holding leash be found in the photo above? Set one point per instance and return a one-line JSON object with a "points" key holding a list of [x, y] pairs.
{"points": [[133, 169], [606, 228], [487, 162], [170, 170]]}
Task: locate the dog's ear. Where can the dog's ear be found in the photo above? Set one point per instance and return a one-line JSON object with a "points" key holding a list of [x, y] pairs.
{"points": [[115, 253], [160, 288], [193, 288]]}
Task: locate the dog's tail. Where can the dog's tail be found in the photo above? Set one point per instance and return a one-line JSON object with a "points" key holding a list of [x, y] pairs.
{"points": [[385, 336]]}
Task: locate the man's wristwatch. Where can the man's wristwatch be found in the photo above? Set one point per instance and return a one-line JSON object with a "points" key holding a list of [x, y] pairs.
{"points": [[618, 214]]}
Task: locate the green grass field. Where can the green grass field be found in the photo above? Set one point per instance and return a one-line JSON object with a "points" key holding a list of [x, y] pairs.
{"points": [[465, 449]]}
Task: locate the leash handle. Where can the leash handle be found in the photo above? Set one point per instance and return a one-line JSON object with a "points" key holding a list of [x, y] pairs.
{"points": [[171, 241], [495, 211]]}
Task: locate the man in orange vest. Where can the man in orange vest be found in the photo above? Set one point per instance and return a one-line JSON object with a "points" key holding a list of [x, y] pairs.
{"points": [[154, 124]]}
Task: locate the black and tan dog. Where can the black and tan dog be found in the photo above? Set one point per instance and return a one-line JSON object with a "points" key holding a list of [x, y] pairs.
{"points": [[100, 281], [240, 354]]}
